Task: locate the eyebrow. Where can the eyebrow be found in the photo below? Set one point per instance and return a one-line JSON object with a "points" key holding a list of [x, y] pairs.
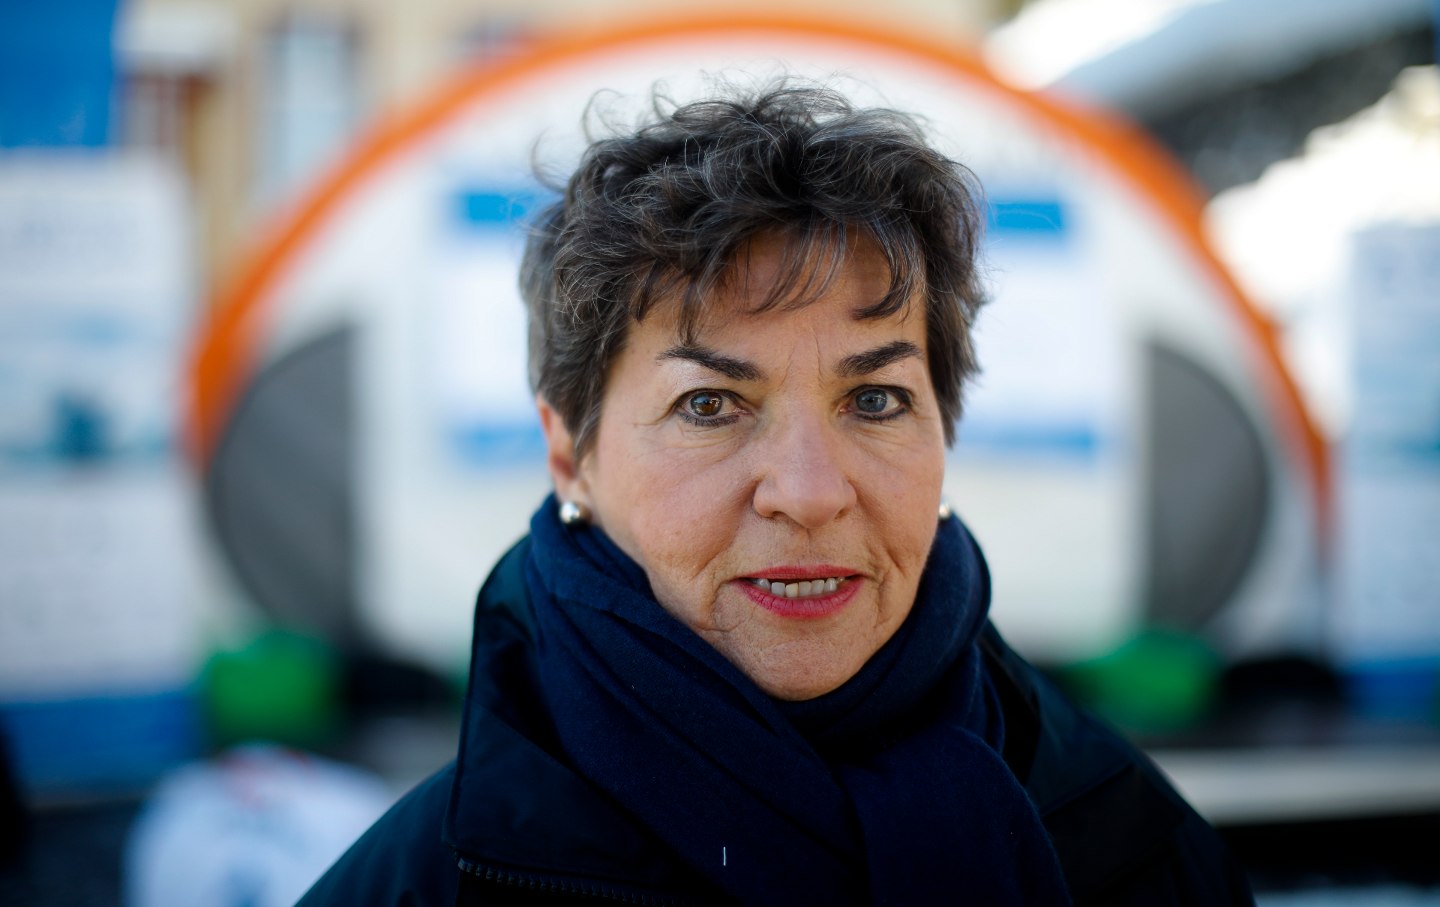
{"points": [[729, 366], [872, 361], [855, 366]]}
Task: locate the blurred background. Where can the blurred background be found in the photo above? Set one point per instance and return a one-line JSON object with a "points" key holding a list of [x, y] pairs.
{"points": [[264, 425]]}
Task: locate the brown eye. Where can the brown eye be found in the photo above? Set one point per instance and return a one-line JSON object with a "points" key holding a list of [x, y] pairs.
{"points": [[706, 404]]}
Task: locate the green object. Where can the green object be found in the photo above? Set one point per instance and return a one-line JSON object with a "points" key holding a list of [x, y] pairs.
{"points": [[280, 687], [1156, 681]]}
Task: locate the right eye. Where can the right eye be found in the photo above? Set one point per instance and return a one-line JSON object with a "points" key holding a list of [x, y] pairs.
{"points": [[707, 409], [705, 404]]}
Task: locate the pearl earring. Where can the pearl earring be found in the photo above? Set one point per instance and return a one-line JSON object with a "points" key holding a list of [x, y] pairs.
{"points": [[946, 511], [573, 514]]}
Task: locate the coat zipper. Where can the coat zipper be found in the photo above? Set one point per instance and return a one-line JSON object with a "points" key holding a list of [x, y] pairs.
{"points": [[568, 886]]}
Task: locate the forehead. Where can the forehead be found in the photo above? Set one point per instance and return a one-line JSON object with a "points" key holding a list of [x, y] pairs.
{"points": [[806, 267], [829, 331], [771, 277]]}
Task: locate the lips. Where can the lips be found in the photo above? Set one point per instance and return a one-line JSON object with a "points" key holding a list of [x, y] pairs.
{"points": [[801, 591]]}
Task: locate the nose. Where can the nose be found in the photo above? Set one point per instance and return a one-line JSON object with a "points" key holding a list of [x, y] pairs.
{"points": [[803, 475]]}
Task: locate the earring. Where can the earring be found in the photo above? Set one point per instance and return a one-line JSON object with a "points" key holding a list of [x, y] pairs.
{"points": [[946, 511], [573, 514]]}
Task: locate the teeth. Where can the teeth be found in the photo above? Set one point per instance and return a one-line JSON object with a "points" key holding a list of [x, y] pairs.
{"points": [[800, 589]]}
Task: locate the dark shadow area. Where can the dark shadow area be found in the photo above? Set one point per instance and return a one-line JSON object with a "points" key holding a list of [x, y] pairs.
{"points": [[1230, 138], [1353, 853], [280, 489], [71, 857]]}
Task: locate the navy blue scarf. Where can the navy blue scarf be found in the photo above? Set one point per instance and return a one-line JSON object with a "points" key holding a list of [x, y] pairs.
{"points": [[888, 790]]}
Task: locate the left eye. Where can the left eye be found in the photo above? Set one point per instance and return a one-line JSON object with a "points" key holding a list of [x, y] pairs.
{"points": [[874, 401]]}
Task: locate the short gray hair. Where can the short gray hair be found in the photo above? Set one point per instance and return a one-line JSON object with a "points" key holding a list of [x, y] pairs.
{"points": [[661, 213]]}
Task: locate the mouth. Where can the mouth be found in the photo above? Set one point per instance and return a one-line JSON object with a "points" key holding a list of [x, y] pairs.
{"points": [[807, 588], [801, 592]]}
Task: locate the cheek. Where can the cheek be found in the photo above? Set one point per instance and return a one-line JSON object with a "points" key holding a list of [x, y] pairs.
{"points": [[689, 519], [676, 516], [906, 498], [906, 474]]}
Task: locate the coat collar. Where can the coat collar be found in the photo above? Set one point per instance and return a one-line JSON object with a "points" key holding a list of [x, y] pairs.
{"points": [[515, 804]]}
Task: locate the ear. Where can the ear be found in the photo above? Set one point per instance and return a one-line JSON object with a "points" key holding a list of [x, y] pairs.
{"points": [[560, 458]]}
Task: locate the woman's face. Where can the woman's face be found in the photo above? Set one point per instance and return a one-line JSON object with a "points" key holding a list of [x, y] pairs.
{"points": [[777, 478]]}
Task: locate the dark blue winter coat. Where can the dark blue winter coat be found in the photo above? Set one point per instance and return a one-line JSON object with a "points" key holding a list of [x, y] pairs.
{"points": [[510, 823]]}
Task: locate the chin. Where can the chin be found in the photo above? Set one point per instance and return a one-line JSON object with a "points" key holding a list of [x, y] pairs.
{"points": [[797, 679], [800, 692]]}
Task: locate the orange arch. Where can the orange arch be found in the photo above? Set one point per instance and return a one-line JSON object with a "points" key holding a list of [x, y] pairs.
{"points": [[226, 349]]}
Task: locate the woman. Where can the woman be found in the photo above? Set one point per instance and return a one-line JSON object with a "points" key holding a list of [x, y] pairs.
{"points": [[743, 655]]}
